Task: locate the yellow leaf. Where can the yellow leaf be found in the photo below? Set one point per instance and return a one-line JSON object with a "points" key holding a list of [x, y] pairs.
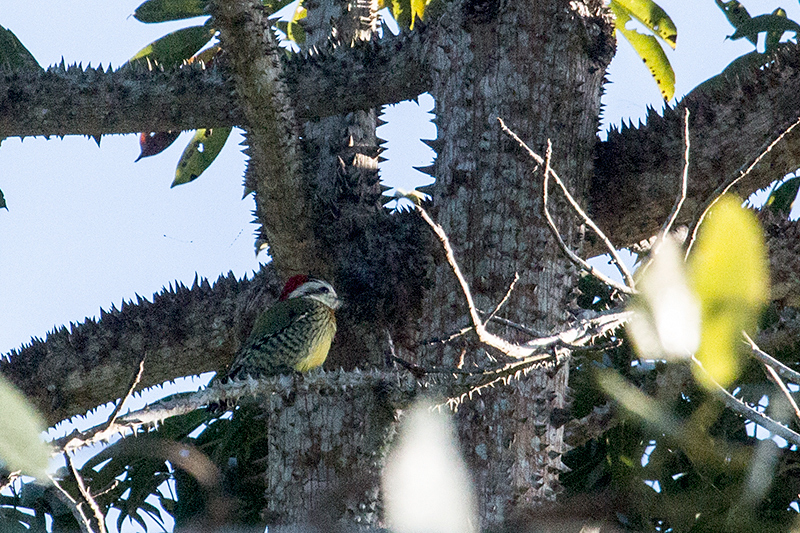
{"points": [[417, 10], [647, 47], [200, 153], [653, 17], [728, 272], [21, 426]]}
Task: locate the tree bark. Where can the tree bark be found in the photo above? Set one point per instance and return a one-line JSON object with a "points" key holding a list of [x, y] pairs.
{"points": [[487, 196]]}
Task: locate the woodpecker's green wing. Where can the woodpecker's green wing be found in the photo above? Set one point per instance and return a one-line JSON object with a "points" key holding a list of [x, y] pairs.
{"points": [[294, 334]]}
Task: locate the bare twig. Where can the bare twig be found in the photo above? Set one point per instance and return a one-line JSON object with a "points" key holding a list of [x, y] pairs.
{"points": [[781, 385], [585, 331], [451, 260], [665, 229], [131, 388], [83, 521], [748, 412], [574, 338], [8, 479], [770, 365], [87, 496], [767, 359], [566, 249], [629, 288], [618, 262], [725, 187], [388, 351], [676, 208], [519, 327], [504, 300], [110, 428], [484, 336], [450, 338]]}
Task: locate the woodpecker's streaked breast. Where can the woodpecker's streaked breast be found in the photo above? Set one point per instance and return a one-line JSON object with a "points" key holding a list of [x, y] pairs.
{"points": [[294, 334]]}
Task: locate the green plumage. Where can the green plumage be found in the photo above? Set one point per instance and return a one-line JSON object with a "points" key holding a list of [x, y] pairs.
{"points": [[294, 334]]}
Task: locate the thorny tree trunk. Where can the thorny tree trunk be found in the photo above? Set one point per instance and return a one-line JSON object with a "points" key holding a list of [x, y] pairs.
{"points": [[539, 66]]}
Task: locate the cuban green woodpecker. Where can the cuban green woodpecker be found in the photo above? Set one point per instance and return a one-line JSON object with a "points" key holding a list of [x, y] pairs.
{"points": [[294, 334]]}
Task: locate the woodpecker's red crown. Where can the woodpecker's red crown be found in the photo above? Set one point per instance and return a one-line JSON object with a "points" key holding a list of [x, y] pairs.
{"points": [[291, 284], [302, 286]]}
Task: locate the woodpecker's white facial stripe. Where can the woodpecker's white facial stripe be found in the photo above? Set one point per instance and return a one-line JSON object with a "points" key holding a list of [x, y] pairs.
{"points": [[319, 290]]}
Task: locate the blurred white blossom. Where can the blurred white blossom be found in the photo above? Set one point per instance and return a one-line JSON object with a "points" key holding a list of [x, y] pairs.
{"points": [[666, 321], [426, 485]]}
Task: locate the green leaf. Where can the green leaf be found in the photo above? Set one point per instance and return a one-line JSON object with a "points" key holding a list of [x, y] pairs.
{"points": [[782, 197], [417, 10], [292, 28], [652, 16], [163, 10], [764, 23], [737, 15], [774, 37], [176, 47], [199, 154], [294, 31], [635, 401], [649, 50], [21, 427], [743, 64], [728, 273], [13, 55], [401, 11]]}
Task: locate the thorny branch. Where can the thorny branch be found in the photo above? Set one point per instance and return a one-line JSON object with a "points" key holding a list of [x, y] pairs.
{"points": [[774, 368], [527, 356], [538, 351], [748, 412]]}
